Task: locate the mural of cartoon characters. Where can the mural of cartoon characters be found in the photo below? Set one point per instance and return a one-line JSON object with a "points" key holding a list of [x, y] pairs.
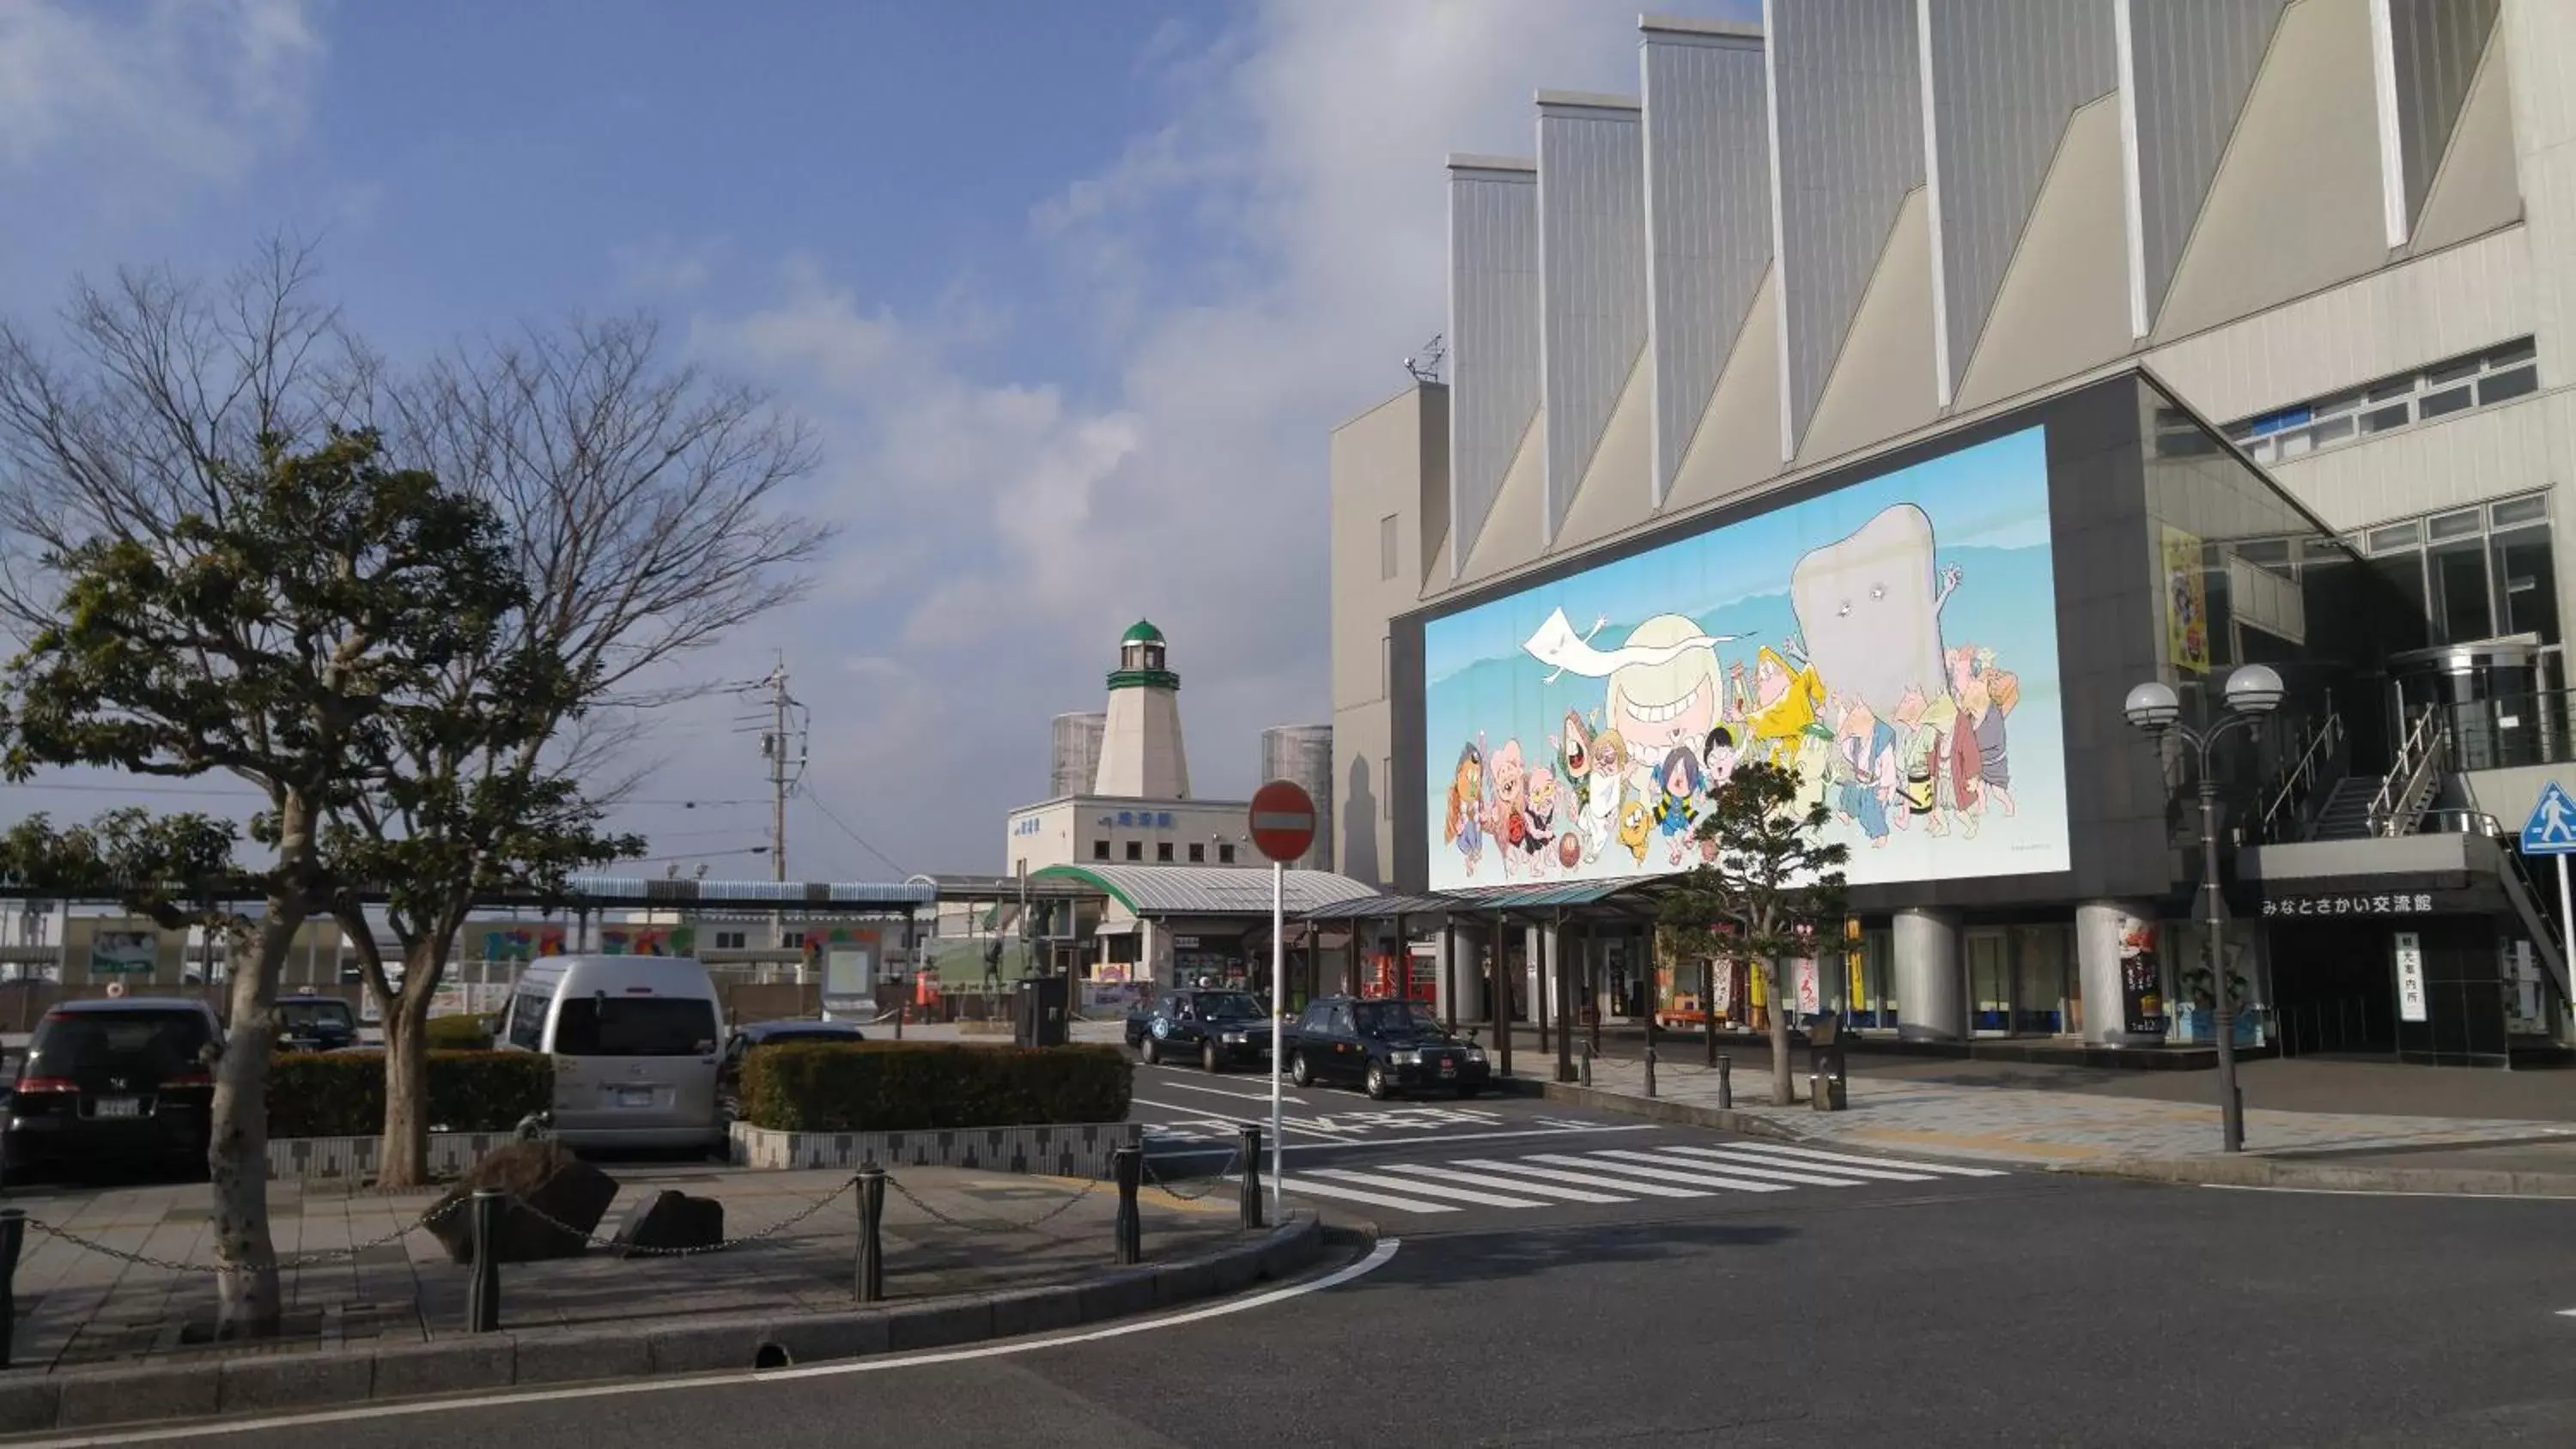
{"points": [[1826, 637], [1464, 828]]}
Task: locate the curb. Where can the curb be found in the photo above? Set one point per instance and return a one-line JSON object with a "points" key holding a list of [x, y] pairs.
{"points": [[274, 1383], [2218, 1171]]}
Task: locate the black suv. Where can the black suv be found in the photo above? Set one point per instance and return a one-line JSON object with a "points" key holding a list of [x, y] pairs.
{"points": [[314, 1023], [1220, 1028], [127, 1081], [1385, 1047]]}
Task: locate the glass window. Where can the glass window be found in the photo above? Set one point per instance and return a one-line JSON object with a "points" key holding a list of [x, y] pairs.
{"points": [[1163, 851], [2453, 371], [2499, 386], [144, 1045], [1225, 855], [299, 1017], [2460, 589], [635, 1026], [2526, 585], [2395, 535], [2456, 525], [1135, 850], [2291, 445], [2381, 419], [2406, 571], [528, 1021], [2333, 430], [1100, 850], [1198, 853], [2442, 404], [2512, 352], [2342, 402], [2392, 388], [2264, 551], [2519, 510]]}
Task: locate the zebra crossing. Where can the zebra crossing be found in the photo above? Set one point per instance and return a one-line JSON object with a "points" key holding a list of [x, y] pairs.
{"points": [[1609, 1175]]}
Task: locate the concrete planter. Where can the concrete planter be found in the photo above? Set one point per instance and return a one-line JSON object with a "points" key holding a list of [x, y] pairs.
{"points": [[1069, 1150], [353, 1159]]}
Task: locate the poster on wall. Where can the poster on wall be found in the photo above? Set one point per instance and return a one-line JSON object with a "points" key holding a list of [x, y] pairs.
{"points": [[647, 940], [124, 953], [1891, 643], [520, 942], [2410, 977], [2142, 1003], [2186, 601]]}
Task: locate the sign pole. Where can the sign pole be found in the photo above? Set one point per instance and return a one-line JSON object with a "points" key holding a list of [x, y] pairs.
{"points": [[1279, 1003], [2566, 925]]}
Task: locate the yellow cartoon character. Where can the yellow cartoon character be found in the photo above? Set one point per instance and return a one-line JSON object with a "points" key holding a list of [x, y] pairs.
{"points": [[1635, 827]]}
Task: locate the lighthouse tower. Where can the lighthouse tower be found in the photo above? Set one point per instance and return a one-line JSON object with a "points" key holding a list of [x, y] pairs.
{"points": [[1140, 744]]}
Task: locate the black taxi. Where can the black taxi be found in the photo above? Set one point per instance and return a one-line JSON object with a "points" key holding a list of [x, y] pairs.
{"points": [[1382, 1046], [1216, 1028]]}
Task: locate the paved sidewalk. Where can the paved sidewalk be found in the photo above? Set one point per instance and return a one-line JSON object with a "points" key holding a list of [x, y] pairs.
{"points": [[2048, 1128], [946, 1231]]}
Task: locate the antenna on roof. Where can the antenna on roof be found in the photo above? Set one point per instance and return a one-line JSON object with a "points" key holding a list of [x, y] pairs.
{"points": [[1425, 366]]}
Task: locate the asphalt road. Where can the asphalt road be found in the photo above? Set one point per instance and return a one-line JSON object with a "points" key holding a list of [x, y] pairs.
{"points": [[2008, 1310]]}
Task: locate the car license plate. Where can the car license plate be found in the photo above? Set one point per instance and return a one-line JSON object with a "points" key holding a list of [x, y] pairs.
{"points": [[1448, 1067], [635, 1096], [117, 1107]]}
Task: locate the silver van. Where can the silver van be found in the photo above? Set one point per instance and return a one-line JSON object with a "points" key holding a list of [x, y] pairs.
{"points": [[634, 1040]]}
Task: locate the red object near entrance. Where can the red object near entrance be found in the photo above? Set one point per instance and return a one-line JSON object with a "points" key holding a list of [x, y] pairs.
{"points": [[1283, 820]]}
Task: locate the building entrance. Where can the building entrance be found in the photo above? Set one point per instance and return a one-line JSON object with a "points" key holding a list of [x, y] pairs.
{"points": [[2334, 989]]}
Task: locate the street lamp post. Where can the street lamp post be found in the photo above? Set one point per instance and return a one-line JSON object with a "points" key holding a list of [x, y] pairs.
{"points": [[2252, 692]]}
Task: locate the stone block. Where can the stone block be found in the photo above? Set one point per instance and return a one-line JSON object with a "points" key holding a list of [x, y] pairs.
{"points": [[823, 1337], [29, 1404], [276, 1381], [719, 1346], [1121, 1294], [543, 1176], [1036, 1310], [939, 1323], [134, 1396], [669, 1221], [567, 1358], [464, 1365], [1177, 1283]]}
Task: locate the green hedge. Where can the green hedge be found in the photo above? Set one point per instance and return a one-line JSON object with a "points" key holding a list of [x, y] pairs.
{"points": [[342, 1094], [904, 1087], [457, 1034]]}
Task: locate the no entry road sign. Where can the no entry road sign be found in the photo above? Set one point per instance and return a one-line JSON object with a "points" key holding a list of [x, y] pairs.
{"points": [[1283, 821]]}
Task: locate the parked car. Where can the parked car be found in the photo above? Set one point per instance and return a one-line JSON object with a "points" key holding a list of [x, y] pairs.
{"points": [[634, 1042], [1384, 1047], [770, 1033], [126, 1083], [311, 1023], [1219, 1028]]}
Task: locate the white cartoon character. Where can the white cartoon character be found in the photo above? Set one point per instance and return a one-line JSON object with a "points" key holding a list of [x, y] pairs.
{"points": [[1869, 608]]}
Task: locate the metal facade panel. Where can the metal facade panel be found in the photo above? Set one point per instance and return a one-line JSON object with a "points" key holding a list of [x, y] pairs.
{"points": [[2003, 79], [2189, 66], [1708, 217], [1592, 249], [1846, 146], [1493, 339], [2433, 48]]}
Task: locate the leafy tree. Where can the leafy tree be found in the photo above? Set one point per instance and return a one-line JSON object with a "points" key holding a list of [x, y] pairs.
{"points": [[314, 602], [1773, 892]]}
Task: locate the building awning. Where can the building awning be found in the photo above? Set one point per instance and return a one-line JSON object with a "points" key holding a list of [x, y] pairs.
{"points": [[1382, 908], [1207, 890], [1627, 897]]}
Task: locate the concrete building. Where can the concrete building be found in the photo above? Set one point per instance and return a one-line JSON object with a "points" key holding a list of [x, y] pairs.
{"points": [[1867, 244]]}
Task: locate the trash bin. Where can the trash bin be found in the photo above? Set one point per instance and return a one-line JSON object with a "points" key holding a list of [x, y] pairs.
{"points": [[1827, 1086]]}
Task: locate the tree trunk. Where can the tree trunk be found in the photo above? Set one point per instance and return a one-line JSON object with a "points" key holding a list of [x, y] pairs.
{"points": [[1784, 1082], [402, 1160], [247, 1301]]}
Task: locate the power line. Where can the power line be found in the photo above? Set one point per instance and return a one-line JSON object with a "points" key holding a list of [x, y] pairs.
{"points": [[890, 862]]}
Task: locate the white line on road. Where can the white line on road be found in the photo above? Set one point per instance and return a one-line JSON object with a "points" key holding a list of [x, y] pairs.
{"points": [[1401, 1184], [1349, 1142], [1732, 1169], [1508, 1184], [1161, 1082], [1304, 1183], [1809, 1154], [1377, 1258], [1587, 1179], [2371, 1192], [1702, 1177], [1290, 1123], [1745, 1162]]}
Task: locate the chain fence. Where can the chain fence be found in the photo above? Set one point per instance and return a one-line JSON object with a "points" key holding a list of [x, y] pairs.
{"points": [[1215, 1180], [995, 1225]]}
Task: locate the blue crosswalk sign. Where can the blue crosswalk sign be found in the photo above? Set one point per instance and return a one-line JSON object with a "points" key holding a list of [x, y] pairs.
{"points": [[2551, 830]]}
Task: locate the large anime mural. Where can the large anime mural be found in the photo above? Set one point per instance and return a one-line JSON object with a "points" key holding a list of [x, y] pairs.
{"points": [[1893, 643]]}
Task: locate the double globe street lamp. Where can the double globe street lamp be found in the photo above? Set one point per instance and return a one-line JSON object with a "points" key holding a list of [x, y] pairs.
{"points": [[2253, 691]]}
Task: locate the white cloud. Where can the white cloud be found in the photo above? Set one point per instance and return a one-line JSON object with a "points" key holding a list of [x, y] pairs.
{"points": [[1255, 268], [176, 91]]}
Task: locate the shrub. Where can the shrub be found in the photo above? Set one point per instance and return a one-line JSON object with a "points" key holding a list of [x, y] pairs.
{"points": [[903, 1087], [458, 1034], [342, 1094]]}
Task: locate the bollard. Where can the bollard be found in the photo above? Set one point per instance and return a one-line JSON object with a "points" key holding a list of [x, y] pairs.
{"points": [[483, 1293], [872, 1183], [1587, 1064], [1128, 1163], [1650, 1073], [902, 1014], [13, 1240], [1725, 1081], [1251, 1176]]}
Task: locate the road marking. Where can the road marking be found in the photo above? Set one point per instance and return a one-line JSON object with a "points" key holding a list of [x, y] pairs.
{"points": [[1745, 1161], [2369, 1192], [1774, 1149], [1586, 1179], [1762, 1174], [1481, 1179], [1344, 1143], [1698, 1178], [1289, 1123], [1364, 1179], [1305, 1184], [1378, 1258], [1222, 1092]]}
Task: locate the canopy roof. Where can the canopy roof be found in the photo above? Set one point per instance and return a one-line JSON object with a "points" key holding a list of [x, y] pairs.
{"points": [[1208, 890]]}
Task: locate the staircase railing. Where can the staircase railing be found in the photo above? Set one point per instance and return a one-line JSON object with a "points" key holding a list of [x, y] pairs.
{"points": [[2300, 781], [2409, 785]]}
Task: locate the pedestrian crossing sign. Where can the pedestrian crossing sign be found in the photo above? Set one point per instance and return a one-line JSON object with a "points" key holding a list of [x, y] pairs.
{"points": [[2551, 830]]}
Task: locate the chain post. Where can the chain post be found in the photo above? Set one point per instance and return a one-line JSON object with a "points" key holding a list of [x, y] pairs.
{"points": [[871, 1275], [1587, 1063], [483, 1293], [13, 1240], [1251, 1175], [1725, 1081], [1650, 1073], [1129, 1164]]}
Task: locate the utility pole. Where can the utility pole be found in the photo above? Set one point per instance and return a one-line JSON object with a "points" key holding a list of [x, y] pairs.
{"points": [[783, 744]]}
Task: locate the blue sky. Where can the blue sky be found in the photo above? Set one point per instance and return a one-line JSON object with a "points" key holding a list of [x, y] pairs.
{"points": [[1072, 293]]}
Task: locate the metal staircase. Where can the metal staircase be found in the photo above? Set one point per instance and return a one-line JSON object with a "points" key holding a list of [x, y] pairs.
{"points": [[2345, 815]]}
